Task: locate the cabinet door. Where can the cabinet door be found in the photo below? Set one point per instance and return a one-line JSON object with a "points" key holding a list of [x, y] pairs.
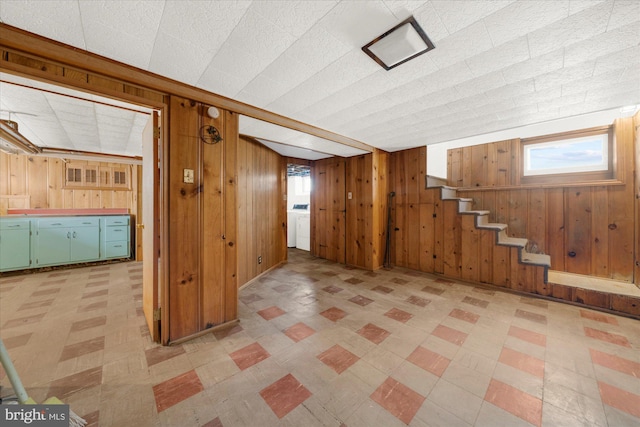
{"points": [[85, 243], [53, 245], [15, 249]]}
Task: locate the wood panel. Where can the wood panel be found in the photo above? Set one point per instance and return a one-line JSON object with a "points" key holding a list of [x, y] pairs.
{"points": [[230, 283], [328, 201], [41, 180], [212, 293], [596, 222], [184, 221], [261, 212]]}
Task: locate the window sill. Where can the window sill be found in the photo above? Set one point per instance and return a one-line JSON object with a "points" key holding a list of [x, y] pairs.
{"points": [[600, 183]]}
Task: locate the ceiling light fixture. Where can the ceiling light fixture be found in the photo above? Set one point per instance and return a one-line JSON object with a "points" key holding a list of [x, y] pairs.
{"points": [[13, 141], [400, 44]]}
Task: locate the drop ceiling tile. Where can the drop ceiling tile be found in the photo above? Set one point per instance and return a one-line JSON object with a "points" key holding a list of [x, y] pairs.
{"points": [[522, 17], [565, 75], [574, 98], [601, 80], [403, 8], [576, 28], [539, 96], [541, 65], [446, 77], [260, 41], [462, 45], [624, 13], [367, 89], [631, 73], [56, 20], [126, 36], [262, 91], [514, 90], [610, 42], [222, 82], [438, 98], [518, 112], [294, 17], [617, 60], [345, 22], [307, 56], [576, 6], [482, 84], [507, 54], [170, 54], [431, 23], [340, 74], [456, 16], [204, 25], [615, 90]]}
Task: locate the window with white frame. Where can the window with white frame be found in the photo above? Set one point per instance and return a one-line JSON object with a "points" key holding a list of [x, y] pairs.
{"points": [[585, 153]]}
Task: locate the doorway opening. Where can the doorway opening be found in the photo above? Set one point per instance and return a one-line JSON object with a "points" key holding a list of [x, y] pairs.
{"points": [[299, 206]]}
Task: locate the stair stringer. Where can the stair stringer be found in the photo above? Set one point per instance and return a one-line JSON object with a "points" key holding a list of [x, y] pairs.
{"points": [[501, 239]]}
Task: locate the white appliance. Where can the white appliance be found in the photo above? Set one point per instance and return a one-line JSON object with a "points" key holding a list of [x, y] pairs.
{"points": [[303, 231], [292, 223]]}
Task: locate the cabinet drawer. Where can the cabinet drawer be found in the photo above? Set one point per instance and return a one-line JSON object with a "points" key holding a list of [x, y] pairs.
{"points": [[91, 221], [116, 232], [117, 249], [15, 224], [52, 222], [117, 220]]}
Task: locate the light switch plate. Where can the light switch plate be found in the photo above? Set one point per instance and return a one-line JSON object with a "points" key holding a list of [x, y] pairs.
{"points": [[188, 176], [349, 195]]}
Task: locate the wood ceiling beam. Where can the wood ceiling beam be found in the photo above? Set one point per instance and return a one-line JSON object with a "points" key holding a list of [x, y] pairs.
{"points": [[38, 46]]}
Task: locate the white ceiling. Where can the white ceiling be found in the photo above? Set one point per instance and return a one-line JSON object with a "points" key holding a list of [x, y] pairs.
{"points": [[497, 64], [55, 117]]}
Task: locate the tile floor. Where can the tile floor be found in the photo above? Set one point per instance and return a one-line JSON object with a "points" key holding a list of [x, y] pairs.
{"points": [[321, 344]]}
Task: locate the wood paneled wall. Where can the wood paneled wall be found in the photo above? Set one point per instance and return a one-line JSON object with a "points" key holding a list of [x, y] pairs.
{"points": [[202, 221], [430, 235], [261, 209], [586, 229], [350, 231], [365, 217], [485, 165], [38, 182], [328, 204]]}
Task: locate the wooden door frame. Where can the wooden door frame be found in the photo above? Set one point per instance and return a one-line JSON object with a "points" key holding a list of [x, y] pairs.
{"points": [[163, 108]]}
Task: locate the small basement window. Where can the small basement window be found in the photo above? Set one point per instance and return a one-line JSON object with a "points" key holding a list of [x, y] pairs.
{"points": [[576, 156]]}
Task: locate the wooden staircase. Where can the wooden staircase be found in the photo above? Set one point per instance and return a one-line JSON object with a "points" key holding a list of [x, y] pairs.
{"points": [[465, 207]]}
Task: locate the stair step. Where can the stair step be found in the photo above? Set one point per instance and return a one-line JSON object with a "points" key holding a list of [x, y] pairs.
{"points": [[492, 226], [537, 259], [511, 241], [482, 222], [479, 213], [447, 193]]}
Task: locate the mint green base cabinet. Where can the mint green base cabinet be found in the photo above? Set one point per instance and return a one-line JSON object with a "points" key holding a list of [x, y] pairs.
{"points": [[116, 237], [15, 244], [42, 241], [61, 240]]}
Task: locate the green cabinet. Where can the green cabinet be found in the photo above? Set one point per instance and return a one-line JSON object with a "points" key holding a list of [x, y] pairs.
{"points": [[40, 241], [116, 237], [15, 244], [65, 240]]}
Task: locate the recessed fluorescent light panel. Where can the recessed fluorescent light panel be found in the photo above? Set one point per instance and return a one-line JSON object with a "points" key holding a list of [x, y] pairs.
{"points": [[403, 42]]}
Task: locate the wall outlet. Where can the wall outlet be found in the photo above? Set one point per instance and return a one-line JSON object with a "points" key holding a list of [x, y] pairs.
{"points": [[349, 195], [260, 259]]}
